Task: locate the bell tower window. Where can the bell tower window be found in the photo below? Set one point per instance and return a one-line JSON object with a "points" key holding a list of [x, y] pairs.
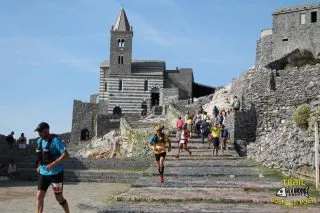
{"points": [[121, 43], [120, 59]]}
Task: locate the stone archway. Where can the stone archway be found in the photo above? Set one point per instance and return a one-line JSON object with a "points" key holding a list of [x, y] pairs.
{"points": [[155, 96], [85, 135], [117, 111]]}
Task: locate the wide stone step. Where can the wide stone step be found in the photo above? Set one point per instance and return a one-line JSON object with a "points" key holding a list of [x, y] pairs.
{"points": [[205, 207], [185, 156], [225, 195], [212, 163], [248, 183], [205, 171], [94, 164], [199, 147], [111, 176]]}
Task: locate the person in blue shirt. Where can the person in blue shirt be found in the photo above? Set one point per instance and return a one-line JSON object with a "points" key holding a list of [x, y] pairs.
{"points": [[224, 138], [50, 154]]}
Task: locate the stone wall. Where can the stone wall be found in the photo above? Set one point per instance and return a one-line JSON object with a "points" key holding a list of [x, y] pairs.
{"points": [[168, 95], [269, 99], [106, 123], [83, 118], [264, 48]]}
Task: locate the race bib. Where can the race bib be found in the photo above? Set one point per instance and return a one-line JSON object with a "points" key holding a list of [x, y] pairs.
{"points": [[159, 148], [57, 187]]}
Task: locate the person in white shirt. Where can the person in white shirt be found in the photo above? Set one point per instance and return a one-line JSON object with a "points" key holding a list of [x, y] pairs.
{"points": [[11, 169]]}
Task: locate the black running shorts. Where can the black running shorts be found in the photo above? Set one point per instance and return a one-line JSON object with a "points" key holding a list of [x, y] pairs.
{"points": [[46, 180], [158, 156], [216, 142]]}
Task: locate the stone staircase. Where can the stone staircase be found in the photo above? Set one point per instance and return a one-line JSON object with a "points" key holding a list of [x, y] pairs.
{"points": [[89, 170], [137, 123], [228, 183]]}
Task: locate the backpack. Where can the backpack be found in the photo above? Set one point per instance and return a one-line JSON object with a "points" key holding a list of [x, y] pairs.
{"points": [[44, 156], [154, 139]]}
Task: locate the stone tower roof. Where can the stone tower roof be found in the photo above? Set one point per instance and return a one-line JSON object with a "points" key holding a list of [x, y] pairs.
{"points": [[122, 23]]}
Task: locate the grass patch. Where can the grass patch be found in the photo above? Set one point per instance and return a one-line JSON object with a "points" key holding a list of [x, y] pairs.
{"points": [[272, 173]]}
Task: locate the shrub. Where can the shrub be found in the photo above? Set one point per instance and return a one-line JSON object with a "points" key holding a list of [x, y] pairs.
{"points": [[311, 122], [302, 115], [314, 118]]}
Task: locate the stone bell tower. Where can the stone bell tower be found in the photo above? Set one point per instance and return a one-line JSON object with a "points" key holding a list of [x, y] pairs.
{"points": [[121, 46]]}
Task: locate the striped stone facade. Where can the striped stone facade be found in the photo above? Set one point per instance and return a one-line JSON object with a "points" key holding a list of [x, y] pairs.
{"points": [[132, 95]]}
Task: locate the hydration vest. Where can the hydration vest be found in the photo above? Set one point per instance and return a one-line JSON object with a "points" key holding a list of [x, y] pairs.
{"points": [[44, 156]]}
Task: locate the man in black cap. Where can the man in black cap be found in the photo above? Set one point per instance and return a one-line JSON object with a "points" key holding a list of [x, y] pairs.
{"points": [[50, 154]]}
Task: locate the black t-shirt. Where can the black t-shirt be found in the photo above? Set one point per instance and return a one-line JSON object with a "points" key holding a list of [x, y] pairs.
{"points": [[10, 139]]}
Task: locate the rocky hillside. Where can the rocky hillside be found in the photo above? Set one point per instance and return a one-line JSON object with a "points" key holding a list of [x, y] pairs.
{"points": [[221, 98]]}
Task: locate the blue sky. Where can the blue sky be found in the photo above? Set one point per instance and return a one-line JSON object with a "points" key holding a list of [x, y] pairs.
{"points": [[50, 49]]}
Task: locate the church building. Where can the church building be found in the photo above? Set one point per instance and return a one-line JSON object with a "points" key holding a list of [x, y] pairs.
{"points": [[129, 86]]}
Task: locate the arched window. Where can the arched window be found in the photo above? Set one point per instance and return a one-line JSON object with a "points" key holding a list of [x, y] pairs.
{"points": [[117, 111], [121, 43], [146, 85], [85, 135]]}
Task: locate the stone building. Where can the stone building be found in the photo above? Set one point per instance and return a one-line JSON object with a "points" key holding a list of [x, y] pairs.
{"points": [[264, 128], [293, 28], [130, 87]]}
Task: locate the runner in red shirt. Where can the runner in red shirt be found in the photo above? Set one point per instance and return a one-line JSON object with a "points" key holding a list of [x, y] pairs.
{"points": [[180, 123], [183, 143]]}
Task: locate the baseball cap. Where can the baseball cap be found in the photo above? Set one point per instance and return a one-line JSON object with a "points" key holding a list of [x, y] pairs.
{"points": [[41, 126], [157, 128]]}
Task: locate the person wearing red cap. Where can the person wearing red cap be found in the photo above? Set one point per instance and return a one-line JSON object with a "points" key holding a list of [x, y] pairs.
{"points": [[50, 154]]}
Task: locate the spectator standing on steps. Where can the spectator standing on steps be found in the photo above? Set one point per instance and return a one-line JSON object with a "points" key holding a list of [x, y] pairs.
{"points": [[10, 140], [22, 141], [200, 110], [224, 137], [236, 104], [197, 123], [215, 111], [11, 169], [186, 117]]}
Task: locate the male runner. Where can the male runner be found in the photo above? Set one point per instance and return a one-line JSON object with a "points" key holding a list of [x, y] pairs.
{"points": [[50, 154]]}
